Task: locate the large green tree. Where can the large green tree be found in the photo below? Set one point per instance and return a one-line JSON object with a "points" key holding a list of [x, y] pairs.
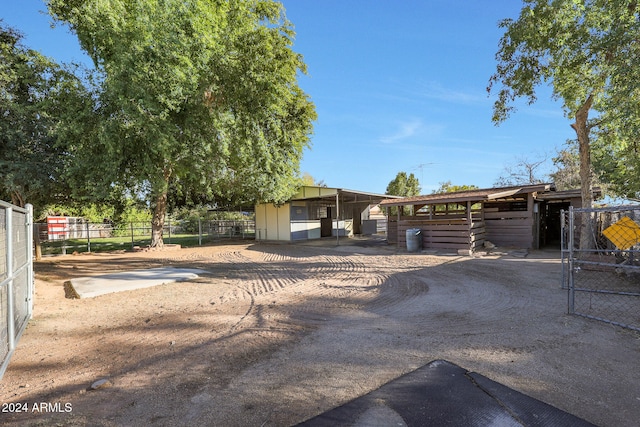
{"points": [[448, 187], [616, 153], [587, 50], [196, 97], [35, 95], [404, 185]]}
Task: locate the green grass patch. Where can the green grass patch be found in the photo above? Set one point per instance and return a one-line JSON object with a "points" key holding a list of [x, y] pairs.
{"points": [[104, 244]]}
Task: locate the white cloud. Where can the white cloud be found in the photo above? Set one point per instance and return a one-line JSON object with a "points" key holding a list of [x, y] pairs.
{"points": [[410, 129], [405, 130], [433, 90]]}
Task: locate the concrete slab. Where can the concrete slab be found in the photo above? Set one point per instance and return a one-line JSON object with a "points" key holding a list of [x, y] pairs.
{"points": [[443, 394], [88, 287]]}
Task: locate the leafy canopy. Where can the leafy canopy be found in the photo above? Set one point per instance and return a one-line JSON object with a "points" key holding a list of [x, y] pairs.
{"points": [[588, 52], [448, 187], [404, 185], [581, 48], [35, 94], [197, 99]]}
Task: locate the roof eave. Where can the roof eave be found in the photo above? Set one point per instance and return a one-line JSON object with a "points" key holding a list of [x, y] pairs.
{"points": [[480, 195]]}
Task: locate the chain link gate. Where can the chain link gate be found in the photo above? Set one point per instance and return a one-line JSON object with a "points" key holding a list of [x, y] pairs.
{"points": [[603, 282], [16, 276]]}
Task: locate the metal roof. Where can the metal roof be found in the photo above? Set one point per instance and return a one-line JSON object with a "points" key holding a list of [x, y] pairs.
{"points": [[346, 196], [568, 194], [479, 195]]}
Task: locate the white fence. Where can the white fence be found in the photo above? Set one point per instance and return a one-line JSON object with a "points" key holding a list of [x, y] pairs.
{"points": [[16, 276]]}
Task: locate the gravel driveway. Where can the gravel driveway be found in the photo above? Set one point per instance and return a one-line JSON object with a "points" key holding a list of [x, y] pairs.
{"points": [[272, 335]]}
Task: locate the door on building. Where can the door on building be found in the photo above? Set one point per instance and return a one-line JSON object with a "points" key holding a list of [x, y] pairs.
{"points": [[326, 224], [551, 226]]}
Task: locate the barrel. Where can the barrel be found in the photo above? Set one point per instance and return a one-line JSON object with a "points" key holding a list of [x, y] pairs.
{"points": [[414, 239]]}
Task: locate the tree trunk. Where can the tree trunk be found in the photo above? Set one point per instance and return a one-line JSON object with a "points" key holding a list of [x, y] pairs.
{"points": [[157, 221], [587, 237], [159, 211], [17, 199], [36, 241]]}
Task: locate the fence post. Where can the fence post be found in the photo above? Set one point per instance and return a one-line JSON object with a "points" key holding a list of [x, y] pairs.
{"points": [[88, 237], [36, 239], [8, 219], [29, 248], [132, 244], [563, 248], [571, 292], [199, 232]]}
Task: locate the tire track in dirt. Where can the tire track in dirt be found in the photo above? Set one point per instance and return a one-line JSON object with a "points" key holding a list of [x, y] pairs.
{"points": [[261, 278], [318, 281], [254, 280], [172, 353], [311, 284], [490, 298], [248, 313]]}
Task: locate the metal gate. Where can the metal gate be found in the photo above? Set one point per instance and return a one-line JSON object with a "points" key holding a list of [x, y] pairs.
{"points": [[603, 282], [16, 276]]}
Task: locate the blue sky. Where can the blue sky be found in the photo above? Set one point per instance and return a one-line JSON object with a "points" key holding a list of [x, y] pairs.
{"points": [[398, 86]]}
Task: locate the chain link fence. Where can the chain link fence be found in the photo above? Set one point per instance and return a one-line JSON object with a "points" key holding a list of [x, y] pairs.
{"points": [[16, 277], [603, 283], [75, 235]]}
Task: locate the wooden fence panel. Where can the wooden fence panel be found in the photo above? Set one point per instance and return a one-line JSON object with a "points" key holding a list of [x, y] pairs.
{"points": [[510, 232], [507, 215], [452, 234], [392, 232]]}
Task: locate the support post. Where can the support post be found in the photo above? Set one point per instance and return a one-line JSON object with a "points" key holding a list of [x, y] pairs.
{"points": [[571, 293], [88, 237], [563, 246], [470, 227], [30, 281], [338, 218], [8, 220], [400, 208]]}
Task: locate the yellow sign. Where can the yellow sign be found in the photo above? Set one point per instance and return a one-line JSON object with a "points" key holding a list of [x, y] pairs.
{"points": [[624, 233]]}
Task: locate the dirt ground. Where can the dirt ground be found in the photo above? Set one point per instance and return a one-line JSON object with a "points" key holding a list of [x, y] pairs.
{"points": [[275, 334]]}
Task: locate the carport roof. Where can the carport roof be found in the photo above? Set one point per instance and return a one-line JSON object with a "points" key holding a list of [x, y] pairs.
{"points": [[346, 196], [479, 195], [568, 194]]}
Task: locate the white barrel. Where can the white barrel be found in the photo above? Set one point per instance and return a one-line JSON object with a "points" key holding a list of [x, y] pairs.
{"points": [[414, 239]]}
